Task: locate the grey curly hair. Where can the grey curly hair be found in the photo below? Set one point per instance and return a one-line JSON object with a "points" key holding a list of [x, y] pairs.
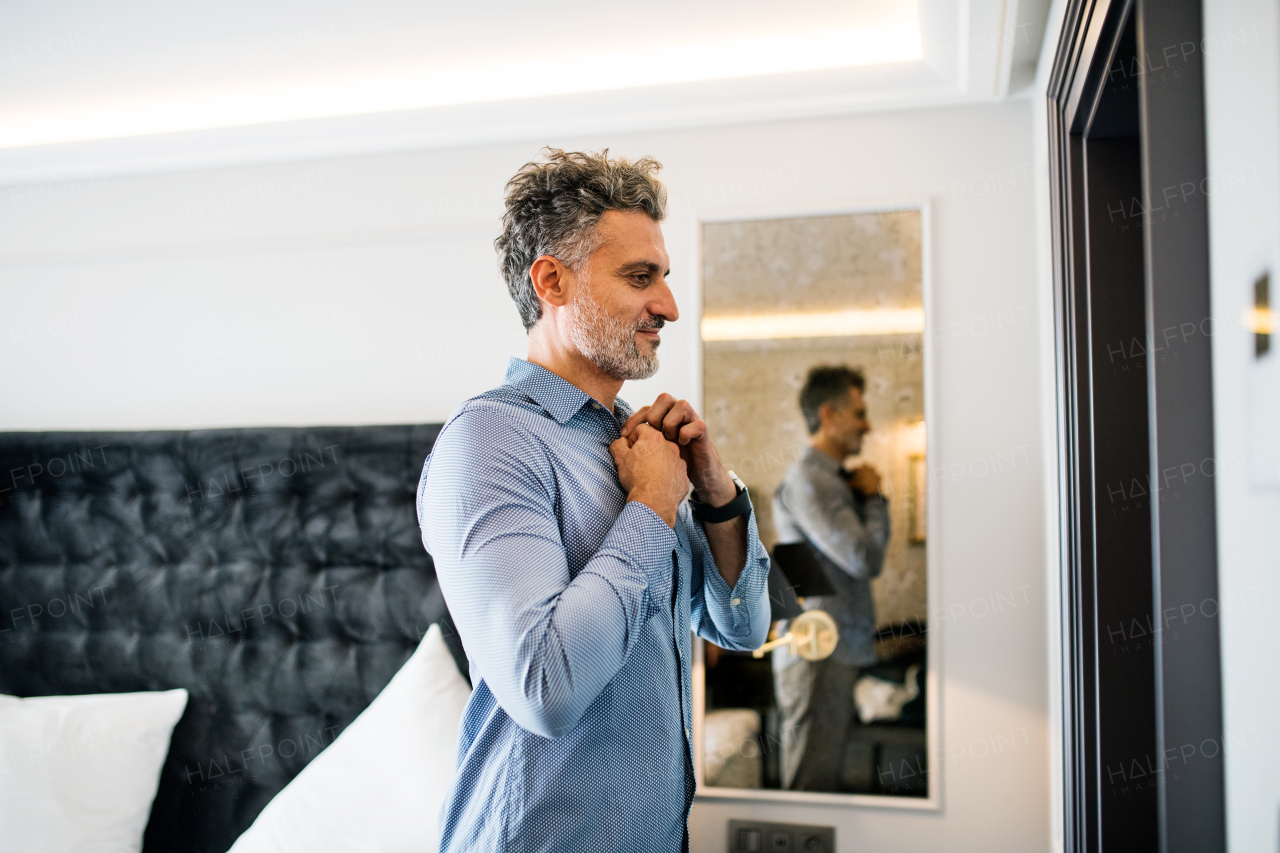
{"points": [[553, 206], [827, 383]]}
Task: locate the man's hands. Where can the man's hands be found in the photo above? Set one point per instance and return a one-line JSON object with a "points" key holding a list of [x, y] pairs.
{"points": [[651, 471], [865, 480], [669, 435], [679, 424]]}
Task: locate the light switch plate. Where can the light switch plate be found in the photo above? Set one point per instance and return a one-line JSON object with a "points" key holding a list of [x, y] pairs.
{"points": [[753, 836]]}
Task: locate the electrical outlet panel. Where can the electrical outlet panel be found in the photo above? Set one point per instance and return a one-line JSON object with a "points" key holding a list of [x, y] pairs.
{"points": [[751, 836]]}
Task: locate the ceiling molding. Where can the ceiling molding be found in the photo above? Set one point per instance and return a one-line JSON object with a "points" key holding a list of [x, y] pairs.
{"points": [[967, 57]]}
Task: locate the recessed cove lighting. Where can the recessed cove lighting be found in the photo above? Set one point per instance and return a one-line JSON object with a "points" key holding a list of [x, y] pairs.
{"points": [[825, 324], [562, 74]]}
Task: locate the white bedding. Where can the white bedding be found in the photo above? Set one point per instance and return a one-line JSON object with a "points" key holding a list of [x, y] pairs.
{"points": [[78, 773], [377, 788]]}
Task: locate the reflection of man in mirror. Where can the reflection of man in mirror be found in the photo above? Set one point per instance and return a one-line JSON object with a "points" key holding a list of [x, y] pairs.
{"points": [[845, 519]]}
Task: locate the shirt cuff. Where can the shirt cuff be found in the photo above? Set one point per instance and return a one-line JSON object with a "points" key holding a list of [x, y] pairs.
{"points": [[739, 601]]}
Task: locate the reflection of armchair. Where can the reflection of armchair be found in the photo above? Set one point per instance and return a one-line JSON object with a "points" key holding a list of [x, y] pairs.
{"points": [[732, 750], [891, 756], [739, 688], [880, 699]]}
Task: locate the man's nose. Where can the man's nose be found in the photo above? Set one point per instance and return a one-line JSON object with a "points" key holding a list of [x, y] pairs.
{"points": [[664, 304]]}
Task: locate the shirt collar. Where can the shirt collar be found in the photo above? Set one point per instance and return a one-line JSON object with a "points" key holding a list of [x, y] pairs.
{"points": [[561, 398], [814, 456]]}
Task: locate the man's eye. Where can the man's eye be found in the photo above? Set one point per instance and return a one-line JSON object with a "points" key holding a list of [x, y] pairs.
{"points": [[641, 278]]}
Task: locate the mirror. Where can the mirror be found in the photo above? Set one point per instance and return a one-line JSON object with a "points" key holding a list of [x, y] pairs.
{"points": [[843, 293]]}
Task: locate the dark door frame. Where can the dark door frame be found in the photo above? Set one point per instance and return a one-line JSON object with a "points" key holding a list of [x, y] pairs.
{"points": [[1183, 717]]}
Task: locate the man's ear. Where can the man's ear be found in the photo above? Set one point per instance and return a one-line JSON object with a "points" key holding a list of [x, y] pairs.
{"points": [[825, 411], [552, 281]]}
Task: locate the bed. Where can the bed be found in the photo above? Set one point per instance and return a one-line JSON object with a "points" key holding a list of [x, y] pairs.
{"points": [[275, 574]]}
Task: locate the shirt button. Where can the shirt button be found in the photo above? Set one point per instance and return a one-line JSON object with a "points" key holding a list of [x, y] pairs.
{"points": [[596, 405], [736, 602]]}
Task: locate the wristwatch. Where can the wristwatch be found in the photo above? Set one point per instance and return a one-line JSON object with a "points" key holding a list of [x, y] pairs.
{"points": [[740, 505]]}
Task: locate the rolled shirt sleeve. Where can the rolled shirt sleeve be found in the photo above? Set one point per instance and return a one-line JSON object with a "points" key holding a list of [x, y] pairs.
{"points": [[736, 618]]}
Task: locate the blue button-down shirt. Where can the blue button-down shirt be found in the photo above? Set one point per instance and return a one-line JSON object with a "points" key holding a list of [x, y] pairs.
{"points": [[575, 607]]}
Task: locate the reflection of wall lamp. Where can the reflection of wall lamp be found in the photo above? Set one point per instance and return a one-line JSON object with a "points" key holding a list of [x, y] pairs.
{"points": [[825, 324], [912, 439], [1260, 321], [813, 636]]}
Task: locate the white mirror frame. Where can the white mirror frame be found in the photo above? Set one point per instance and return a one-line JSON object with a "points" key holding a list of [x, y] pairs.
{"points": [[933, 657]]}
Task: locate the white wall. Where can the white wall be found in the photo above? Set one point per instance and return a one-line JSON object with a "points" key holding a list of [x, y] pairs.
{"points": [[1242, 84], [364, 290], [1051, 505]]}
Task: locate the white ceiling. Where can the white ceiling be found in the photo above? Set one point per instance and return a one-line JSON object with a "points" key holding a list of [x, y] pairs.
{"points": [[144, 85]]}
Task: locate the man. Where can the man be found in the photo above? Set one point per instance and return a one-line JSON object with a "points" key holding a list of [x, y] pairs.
{"points": [[569, 557], [845, 520]]}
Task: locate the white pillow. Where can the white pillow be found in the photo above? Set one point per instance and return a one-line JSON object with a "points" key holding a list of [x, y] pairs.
{"points": [[78, 773], [378, 788]]}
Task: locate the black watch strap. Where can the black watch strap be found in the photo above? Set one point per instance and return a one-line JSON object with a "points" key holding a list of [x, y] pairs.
{"points": [[740, 505]]}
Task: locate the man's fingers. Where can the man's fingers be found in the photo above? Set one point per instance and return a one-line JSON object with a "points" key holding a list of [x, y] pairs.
{"points": [[637, 417], [666, 414], [643, 431], [691, 431], [679, 415], [657, 413], [618, 449]]}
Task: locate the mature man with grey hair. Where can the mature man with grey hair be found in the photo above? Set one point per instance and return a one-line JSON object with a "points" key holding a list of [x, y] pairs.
{"points": [[845, 520], [571, 561]]}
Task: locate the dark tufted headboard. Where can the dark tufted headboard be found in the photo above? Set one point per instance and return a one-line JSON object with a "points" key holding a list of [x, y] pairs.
{"points": [[276, 574]]}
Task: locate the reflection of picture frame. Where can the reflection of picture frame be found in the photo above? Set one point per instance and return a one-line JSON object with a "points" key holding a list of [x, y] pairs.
{"points": [[917, 520]]}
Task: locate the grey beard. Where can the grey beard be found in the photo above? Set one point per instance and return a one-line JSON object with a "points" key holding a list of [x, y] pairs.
{"points": [[607, 342]]}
